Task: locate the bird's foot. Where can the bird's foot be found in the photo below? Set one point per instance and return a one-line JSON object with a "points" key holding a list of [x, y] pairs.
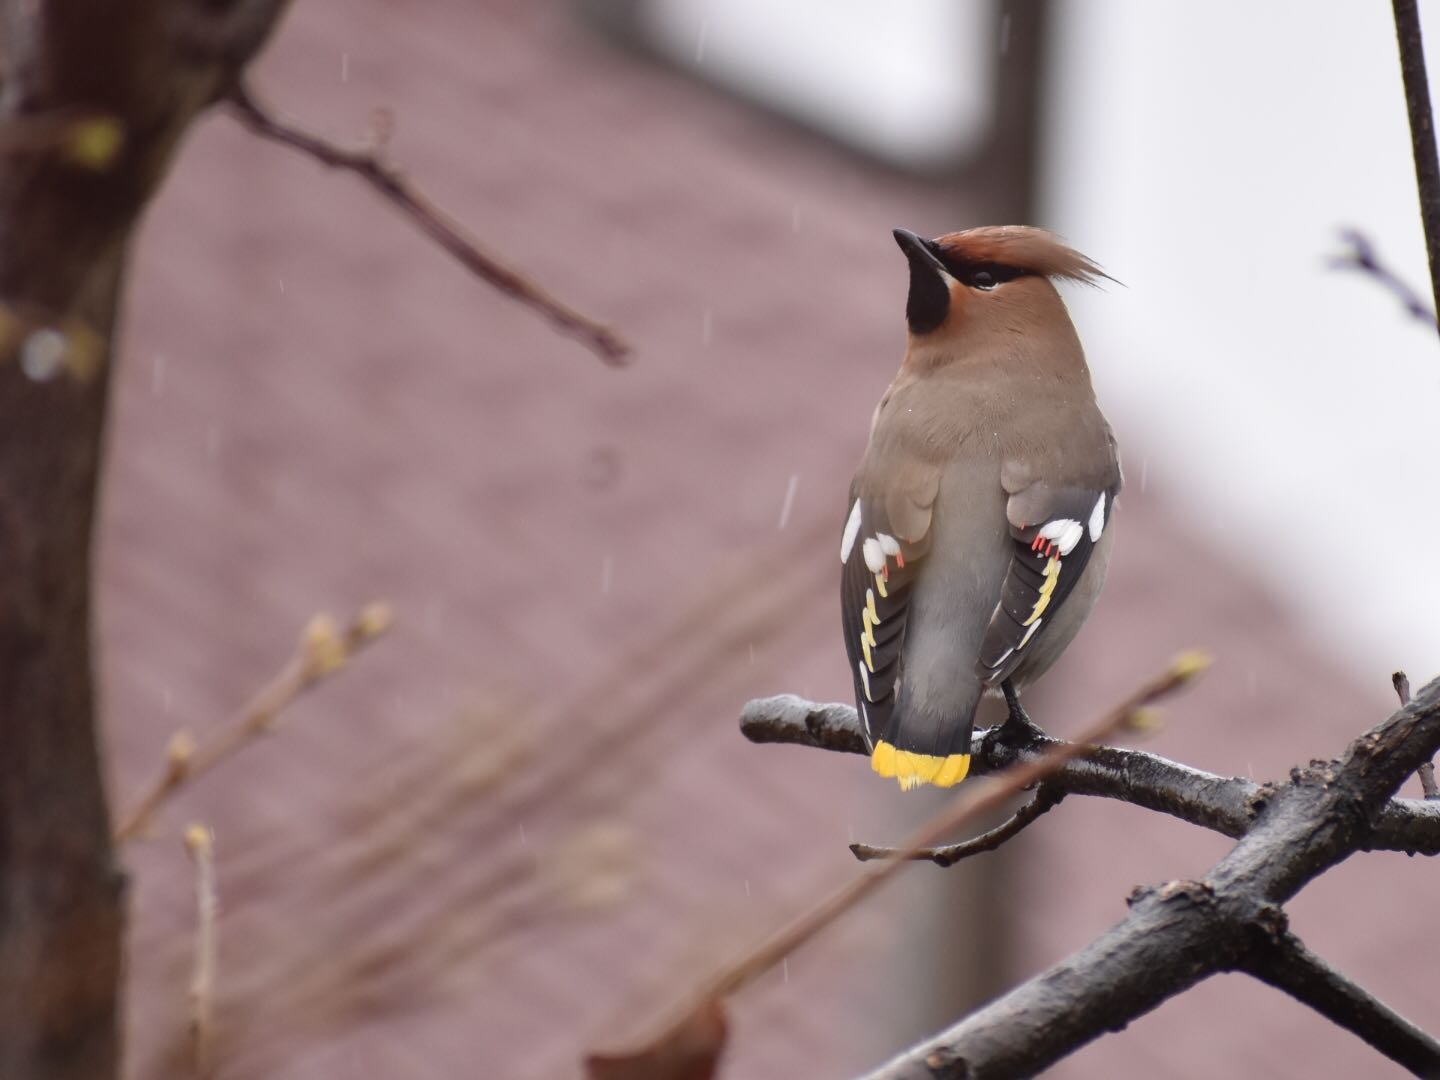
{"points": [[1018, 726]]}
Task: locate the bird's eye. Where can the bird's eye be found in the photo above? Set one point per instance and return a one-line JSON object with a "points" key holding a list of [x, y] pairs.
{"points": [[982, 279]]}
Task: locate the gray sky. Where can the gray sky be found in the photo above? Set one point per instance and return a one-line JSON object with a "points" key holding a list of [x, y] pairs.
{"points": [[1207, 155]]}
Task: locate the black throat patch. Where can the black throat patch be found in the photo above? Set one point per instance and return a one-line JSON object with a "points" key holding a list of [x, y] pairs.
{"points": [[929, 299]]}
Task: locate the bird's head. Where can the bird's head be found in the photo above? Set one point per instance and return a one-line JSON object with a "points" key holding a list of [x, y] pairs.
{"points": [[998, 273]]}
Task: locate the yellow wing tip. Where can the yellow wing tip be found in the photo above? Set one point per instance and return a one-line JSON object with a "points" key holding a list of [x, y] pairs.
{"points": [[912, 770]]}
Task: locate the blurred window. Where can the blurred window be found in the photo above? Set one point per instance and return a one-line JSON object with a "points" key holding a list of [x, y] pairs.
{"points": [[911, 83]]}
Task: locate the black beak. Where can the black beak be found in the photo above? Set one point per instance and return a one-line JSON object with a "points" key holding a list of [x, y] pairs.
{"points": [[929, 301], [918, 250]]}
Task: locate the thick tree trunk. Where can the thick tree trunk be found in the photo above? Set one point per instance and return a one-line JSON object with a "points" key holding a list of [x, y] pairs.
{"points": [[94, 97], [60, 892]]}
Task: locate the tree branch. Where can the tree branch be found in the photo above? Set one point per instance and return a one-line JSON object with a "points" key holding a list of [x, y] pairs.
{"points": [[1422, 132], [1045, 798], [390, 183], [1226, 805], [1286, 964], [1185, 931], [1174, 937]]}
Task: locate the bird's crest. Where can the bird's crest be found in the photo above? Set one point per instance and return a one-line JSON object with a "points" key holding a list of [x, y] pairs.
{"points": [[1035, 251]]}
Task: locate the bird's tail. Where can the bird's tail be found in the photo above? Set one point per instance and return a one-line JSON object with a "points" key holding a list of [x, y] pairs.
{"points": [[925, 745]]}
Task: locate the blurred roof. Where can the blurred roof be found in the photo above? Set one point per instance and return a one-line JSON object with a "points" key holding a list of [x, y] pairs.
{"points": [[525, 820]]}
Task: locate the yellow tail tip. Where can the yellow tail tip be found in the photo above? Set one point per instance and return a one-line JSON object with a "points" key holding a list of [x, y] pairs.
{"points": [[911, 769]]}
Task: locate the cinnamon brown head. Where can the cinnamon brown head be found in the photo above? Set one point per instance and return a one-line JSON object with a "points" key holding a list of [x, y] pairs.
{"points": [[959, 269]]}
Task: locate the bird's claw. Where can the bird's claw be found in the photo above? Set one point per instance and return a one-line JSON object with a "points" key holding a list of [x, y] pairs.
{"points": [[1018, 726]]}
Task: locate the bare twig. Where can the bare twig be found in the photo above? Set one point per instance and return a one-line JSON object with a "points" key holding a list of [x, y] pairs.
{"points": [[1361, 256], [392, 185], [1288, 965], [1045, 798], [323, 650], [1422, 132], [1426, 772], [978, 798], [200, 843], [1227, 805]]}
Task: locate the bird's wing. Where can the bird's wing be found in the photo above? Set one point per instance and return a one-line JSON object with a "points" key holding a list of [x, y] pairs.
{"points": [[1053, 530], [886, 535]]}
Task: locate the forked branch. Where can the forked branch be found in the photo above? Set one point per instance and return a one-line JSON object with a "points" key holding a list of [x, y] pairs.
{"points": [[1360, 254], [1230, 920]]}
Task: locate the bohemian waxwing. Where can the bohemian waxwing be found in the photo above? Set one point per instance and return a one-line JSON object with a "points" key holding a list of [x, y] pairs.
{"points": [[979, 520]]}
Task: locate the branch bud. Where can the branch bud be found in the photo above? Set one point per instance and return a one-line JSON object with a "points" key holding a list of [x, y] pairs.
{"points": [[374, 619], [178, 753], [324, 649], [199, 840]]}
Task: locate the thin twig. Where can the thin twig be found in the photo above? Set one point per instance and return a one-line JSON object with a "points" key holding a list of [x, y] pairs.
{"points": [[1426, 772], [200, 843], [1289, 966], [1045, 798], [1422, 132], [978, 798], [391, 184], [323, 650], [1361, 256]]}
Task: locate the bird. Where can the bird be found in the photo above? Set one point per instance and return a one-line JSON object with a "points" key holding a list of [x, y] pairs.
{"points": [[979, 526]]}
